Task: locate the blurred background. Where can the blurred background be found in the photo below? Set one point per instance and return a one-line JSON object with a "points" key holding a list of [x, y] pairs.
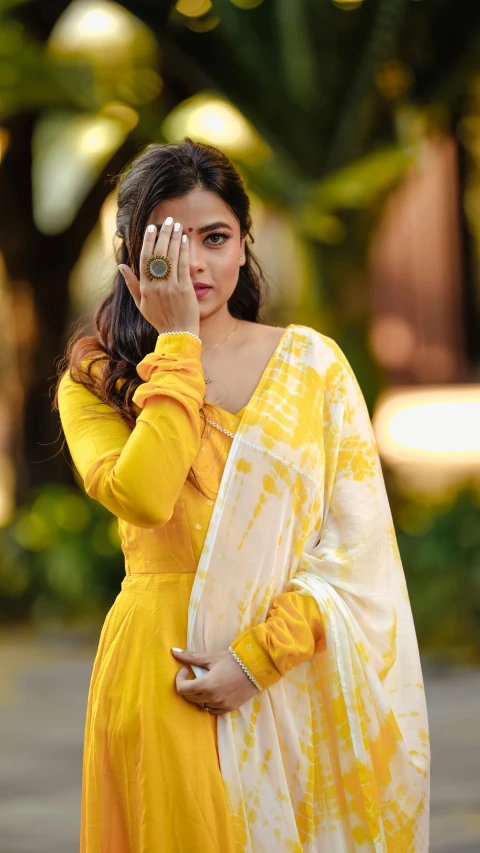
{"points": [[356, 125]]}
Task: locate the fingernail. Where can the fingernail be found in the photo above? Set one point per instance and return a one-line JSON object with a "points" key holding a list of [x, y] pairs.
{"points": [[184, 238], [151, 228], [168, 220], [177, 650], [177, 226], [122, 272]]}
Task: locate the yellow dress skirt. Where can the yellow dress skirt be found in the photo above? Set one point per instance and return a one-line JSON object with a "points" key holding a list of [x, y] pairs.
{"points": [[151, 777]]}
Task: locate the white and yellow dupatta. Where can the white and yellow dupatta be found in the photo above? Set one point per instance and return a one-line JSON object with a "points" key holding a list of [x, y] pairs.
{"points": [[334, 757]]}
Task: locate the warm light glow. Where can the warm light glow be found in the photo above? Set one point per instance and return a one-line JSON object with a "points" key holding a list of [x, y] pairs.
{"points": [[98, 22], [97, 138], [125, 115], [69, 153], [88, 25], [4, 141], [193, 8], [209, 119], [437, 425]]}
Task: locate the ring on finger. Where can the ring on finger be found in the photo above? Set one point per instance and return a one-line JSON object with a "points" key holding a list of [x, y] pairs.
{"points": [[207, 708], [159, 267]]}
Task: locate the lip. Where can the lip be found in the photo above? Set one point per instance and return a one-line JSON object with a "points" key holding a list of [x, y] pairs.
{"points": [[201, 289]]}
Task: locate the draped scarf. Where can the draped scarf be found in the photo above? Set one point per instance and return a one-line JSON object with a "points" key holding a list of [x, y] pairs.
{"points": [[334, 757]]}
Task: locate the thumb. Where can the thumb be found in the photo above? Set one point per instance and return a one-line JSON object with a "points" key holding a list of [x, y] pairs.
{"points": [[132, 283]]}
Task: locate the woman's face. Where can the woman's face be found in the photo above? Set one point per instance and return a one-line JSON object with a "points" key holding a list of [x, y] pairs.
{"points": [[217, 249]]}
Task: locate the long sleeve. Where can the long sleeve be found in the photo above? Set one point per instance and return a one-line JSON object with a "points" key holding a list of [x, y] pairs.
{"points": [[291, 634], [138, 474]]}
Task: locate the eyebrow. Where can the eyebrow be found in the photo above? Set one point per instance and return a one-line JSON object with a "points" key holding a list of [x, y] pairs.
{"points": [[205, 228], [212, 227]]}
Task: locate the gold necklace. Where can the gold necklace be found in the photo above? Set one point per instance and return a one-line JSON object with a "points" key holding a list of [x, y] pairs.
{"points": [[221, 342]]}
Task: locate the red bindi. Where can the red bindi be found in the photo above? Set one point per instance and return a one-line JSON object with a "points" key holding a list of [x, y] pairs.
{"points": [[190, 229]]}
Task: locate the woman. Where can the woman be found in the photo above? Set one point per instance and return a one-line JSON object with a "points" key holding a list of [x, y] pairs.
{"points": [[240, 461]]}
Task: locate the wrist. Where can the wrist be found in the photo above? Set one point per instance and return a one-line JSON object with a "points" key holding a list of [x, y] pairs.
{"points": [[180, 338], [245, 669], [257, 660], [174, 330]]}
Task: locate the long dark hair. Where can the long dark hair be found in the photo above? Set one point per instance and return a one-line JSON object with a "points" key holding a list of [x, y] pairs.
{"points": [[122, 336]]}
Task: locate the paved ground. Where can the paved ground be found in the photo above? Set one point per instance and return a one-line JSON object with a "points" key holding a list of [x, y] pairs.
{"points": [[43, 688]]}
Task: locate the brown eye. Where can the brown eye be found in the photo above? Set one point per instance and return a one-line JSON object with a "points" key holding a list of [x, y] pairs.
{"points": [[218, 238]]}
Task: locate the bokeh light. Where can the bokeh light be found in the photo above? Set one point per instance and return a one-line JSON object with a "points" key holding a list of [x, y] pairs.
{"points": [[207, 118], [430, 436], [124, 114], [436, 423], [69, 152], [89, 25], [107, 37], [193, 8]]}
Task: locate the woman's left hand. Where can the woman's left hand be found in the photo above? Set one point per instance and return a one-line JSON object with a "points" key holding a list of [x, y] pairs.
{"points": [[223, 689]]}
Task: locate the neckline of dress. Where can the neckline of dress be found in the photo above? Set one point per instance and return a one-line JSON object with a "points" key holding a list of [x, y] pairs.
{"points": [[230, 414], [262, 379]]}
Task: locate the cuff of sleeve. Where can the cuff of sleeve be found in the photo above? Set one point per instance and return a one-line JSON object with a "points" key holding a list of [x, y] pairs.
{"points": [[179, 342], [256, 659], [173, 369]]}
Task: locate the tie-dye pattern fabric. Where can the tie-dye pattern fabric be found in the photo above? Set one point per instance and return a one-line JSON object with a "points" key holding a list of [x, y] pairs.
{"points": [[334, 757]]}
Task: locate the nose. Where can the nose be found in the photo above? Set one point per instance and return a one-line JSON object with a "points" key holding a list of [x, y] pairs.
{"points": [[196, 258]]}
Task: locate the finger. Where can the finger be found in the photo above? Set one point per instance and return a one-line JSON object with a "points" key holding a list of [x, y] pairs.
{"points": [[185, 685], [191, 689], [148, 249], [183, 675], [174, 247], [184, 261], [199, 658], [132, 283], [163, 237]]}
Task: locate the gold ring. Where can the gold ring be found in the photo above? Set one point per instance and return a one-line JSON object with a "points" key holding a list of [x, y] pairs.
{"points": [[159, 267]]}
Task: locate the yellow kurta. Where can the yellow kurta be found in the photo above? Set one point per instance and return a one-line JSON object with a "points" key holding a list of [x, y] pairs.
{"points": [[151, 776]]}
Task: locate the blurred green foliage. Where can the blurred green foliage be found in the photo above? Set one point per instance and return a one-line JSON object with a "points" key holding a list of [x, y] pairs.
{"points": [[440, 549], [60, 558]]}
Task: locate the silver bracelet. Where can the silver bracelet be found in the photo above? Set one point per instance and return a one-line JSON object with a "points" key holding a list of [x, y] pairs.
{"points": [[246, 671], [180, 333]]}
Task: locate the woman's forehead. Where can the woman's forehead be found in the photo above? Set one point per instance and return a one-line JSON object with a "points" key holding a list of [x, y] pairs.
{"points": [[197, 206]]}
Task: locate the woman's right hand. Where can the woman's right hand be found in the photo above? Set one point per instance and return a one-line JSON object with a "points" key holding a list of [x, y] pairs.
{"points": [[168, 304]]}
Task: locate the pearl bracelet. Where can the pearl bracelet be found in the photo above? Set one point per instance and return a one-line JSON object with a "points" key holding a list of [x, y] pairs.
{"points": [[246, 671], [180, 333]]}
